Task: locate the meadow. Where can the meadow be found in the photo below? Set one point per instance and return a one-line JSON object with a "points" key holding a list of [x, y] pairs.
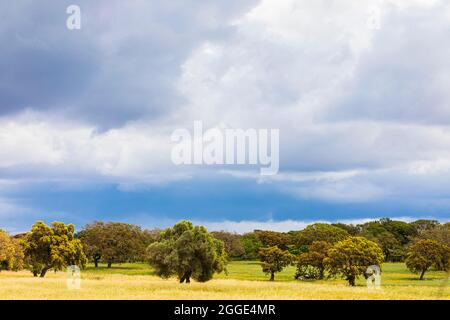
{"points": [[244, 280]]}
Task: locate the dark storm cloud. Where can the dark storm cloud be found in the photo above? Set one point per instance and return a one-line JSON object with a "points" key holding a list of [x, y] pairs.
{"points": [[122, 65]]}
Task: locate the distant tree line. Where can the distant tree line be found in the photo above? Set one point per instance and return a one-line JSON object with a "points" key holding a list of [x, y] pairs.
{"points": [[191, 252]]}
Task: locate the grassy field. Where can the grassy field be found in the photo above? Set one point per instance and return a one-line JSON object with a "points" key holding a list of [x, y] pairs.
{"points": [[243, 281]]}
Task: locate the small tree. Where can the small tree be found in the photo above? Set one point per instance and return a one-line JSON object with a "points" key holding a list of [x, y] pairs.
{"points": [[313, 260], [52, 248], [187, 251], [350, 258], [425, 254], [274, 260], [11, 253]]}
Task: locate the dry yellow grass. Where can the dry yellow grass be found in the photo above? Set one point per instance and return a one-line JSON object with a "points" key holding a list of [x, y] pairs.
{"points": [[114, 286]]}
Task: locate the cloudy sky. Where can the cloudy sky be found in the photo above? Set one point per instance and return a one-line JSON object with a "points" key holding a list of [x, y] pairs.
{"points": [[360, 91]]}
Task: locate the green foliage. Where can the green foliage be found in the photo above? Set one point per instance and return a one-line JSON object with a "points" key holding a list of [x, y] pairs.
{"points": [[307, 272], [350, 228], [272, 239], [425, 254], [439, 233], [52, 248], [114, 242], [274, 260], [423, 225], [232, 242], [351, 257], [310, 265], [392, 236], [320, 232], [187, 251], [251, 244], [11, 253]]}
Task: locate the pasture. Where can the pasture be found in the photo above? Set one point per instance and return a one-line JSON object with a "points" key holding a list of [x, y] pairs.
{"points": [[244, 280]]}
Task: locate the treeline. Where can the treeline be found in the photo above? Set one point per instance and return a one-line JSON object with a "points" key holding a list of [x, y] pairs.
{"points": [[394, 237], [187, 251]]}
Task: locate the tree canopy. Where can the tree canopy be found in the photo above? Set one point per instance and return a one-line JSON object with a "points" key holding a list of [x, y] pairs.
{"points": [[52, 248], [310, 265], [275, 260], [351, 257], [11, 253], [425, 254], [114, 242], [320, 232], [187, 251]]}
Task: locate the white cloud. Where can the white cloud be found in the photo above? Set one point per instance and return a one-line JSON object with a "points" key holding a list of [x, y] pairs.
{"points": [[300, 66], [280, 226]]}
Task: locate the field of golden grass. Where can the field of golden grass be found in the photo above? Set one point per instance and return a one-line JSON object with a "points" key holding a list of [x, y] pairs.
{"points": [[107, 284]]}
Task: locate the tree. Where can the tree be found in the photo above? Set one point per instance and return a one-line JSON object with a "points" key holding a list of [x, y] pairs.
{"points": [[440, 234], [275, 260], [313, 260], [351, 257], [391, 235], [392, 248], [11, 253], [423, 225], [425, 254], [251, 244], [232, 242], [52, 248], [187, 251], [320, 232], [401, 230], [273, 238], [350, 228], [113, 242]]}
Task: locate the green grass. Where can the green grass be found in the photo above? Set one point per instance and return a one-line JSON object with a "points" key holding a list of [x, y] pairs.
{"points": [[394, 274]]}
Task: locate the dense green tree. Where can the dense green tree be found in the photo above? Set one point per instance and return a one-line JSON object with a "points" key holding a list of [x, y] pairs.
{"points": [[113, 242], [313, 259], [52, 248], [232, 242], [351, 257], [11, 253], [425, 254], [275, 260], [401, 230], [320, 232], [187, 251], [251, 244]]}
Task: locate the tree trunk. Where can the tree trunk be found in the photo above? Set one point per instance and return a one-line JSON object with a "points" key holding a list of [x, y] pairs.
{"points": [[321, 273], [109, 264], [43, 272], [422, 274], [272, 276], [35, 273], [96, 263], [186, 277], [351, 280]]}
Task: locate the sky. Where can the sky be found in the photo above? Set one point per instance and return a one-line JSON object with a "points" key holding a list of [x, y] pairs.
{"points": [[358, 89]]}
